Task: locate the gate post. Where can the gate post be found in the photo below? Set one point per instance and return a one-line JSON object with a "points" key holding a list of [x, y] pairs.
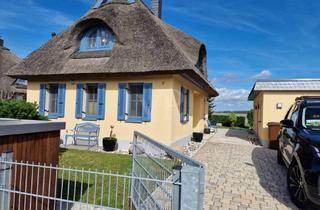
{"points": [[5, 179], [192, 188], [176, 191]]}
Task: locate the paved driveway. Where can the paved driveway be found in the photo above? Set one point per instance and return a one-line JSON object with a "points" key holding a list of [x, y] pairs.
{"points": [[240, 175]]}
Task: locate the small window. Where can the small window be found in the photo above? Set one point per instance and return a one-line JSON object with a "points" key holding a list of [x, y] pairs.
{"points": [[92, 40], [53, 99], [92, 99], [97, 39], [184, 105], [135, 100]]}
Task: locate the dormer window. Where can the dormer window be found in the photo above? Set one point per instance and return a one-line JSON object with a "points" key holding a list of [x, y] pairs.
{"points": [[97, 39]]}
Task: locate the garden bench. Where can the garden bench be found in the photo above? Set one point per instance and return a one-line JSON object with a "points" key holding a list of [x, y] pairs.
{"points": [[84, 132]]}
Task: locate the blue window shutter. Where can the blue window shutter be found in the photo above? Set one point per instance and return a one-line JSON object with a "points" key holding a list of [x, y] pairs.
{"points": [[182, 105], [147, 102], [61, 99], [122, 102], [188, 104], [79, 96], [42, 99], [101, 101]]}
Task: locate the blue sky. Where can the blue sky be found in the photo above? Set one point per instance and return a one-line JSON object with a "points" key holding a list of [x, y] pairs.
{"points": [[245, 39]]}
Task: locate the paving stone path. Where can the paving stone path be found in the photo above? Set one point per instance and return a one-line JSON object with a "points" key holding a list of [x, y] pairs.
{"points": [[240, 175]]}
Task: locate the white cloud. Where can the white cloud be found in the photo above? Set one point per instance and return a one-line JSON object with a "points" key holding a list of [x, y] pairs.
{"points": [[232, 99], [262, 75], [227, 77]]}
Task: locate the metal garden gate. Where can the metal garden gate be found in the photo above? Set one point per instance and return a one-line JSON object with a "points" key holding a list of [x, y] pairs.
{"points": [[160, 179], [159, 162]]}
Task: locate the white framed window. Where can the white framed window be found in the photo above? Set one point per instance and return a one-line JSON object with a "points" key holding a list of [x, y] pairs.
{"points": [[92, 99], [52, 100], [184, 105], [135, 102]]}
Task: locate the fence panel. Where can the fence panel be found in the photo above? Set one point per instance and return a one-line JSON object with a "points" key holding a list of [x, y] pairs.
{"points": [[161, 179], [157, 161], [38, 186]]}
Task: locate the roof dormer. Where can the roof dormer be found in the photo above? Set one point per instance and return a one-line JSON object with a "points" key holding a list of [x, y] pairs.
{"points": [[97, 39]]}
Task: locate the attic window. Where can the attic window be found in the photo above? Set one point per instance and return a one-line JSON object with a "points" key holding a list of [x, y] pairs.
{"points": [[97, 39]]}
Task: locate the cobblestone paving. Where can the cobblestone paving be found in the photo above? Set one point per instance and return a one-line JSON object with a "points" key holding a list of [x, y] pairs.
{"points": [[240, 175]]}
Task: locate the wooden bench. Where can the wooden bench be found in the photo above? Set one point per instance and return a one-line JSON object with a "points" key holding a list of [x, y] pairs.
{"points": [[85, 132]]}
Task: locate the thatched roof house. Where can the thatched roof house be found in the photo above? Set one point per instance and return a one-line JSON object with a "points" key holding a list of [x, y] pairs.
{"points": [[120, 65], [7, 60], [144, 44]]}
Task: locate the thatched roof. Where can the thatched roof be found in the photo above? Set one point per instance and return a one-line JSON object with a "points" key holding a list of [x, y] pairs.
{"points": [[144, 44], [7, 60]]}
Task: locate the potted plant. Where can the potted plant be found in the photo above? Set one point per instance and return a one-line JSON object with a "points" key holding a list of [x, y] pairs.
{"points": [[197, 137], [110, 143]]}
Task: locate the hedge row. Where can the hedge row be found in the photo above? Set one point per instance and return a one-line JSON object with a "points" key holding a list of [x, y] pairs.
{"points": [[225, 121], [19, 110]]}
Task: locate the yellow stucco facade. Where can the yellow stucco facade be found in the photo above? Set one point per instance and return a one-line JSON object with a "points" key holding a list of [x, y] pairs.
{"points": [[265, 109], [165, 125]]}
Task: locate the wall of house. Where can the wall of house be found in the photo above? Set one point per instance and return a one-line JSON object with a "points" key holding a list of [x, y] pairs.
{"points": [[258, 113], [269, 111], [198, 111], [165, 125]]}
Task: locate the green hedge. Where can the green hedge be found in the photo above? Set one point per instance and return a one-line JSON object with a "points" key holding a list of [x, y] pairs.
{"points": [[19, 110], [241, 122], [225, 120]]}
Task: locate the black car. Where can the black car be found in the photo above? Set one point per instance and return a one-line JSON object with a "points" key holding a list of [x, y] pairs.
{"points": [[299, 150]]}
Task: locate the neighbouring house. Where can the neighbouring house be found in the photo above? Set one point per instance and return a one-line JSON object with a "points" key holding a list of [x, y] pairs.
{"points": [[273, 98], [121, 65], [10, 88]]}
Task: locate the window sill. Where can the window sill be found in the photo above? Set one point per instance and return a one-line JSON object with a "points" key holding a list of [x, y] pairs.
{"points": [[90, 118], [134, 120], [53, 116]]}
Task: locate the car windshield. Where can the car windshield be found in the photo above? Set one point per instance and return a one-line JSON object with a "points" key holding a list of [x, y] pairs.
{"points": [[311, 118]]}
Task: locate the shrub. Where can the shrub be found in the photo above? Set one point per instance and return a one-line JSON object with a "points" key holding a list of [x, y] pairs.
{"points": [[241, 122], [19, 110], [233, 119], [223, 119]]}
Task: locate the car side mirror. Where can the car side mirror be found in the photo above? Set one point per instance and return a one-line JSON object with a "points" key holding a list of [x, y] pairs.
{"points": [[286, 124]]}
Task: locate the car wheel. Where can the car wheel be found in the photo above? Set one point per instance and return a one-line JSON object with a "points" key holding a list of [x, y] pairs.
{"points": [[279, 158], [296, 186]]}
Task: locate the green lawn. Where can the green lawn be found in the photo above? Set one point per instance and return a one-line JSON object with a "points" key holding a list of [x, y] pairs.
{"points": [[115, 163], [109, 191]]}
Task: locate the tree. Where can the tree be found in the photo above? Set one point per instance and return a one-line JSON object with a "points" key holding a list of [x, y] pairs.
{"points": [[211, 106], [250, 117], [233, 119]]}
